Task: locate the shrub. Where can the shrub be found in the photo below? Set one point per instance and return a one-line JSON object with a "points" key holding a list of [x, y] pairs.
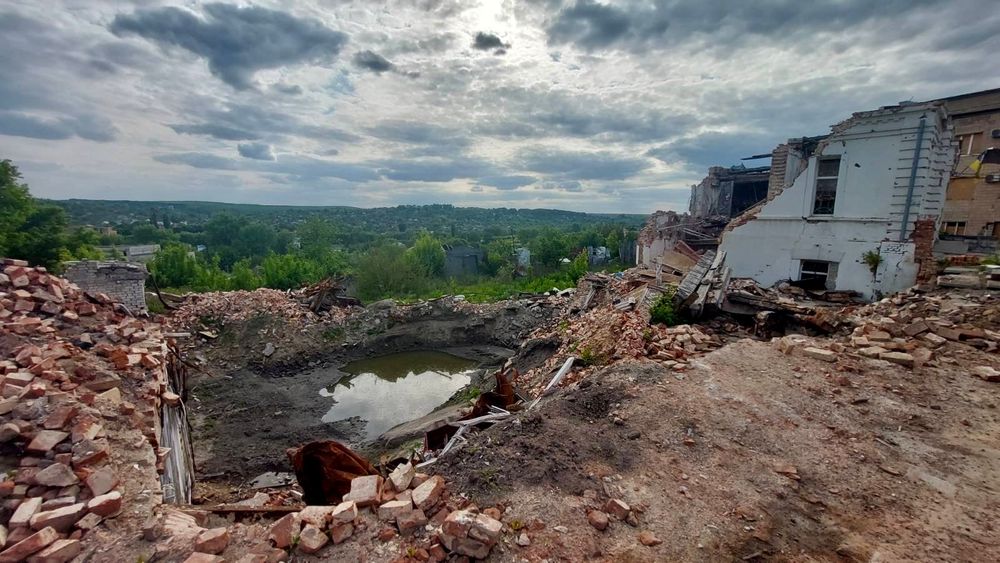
{"points": [[663, 311], [288, 271]]}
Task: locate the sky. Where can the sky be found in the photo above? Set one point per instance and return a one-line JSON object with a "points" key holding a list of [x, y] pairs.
{"points": [[582, 105]]}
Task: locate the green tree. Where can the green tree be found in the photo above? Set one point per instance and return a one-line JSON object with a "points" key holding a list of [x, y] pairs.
{"points": [[427, 255], [28, 230], [175, 266], [613, 241], [549, 247], [148, 234], [317, 236], [288, 271], [254, 240], [244, 276], [384, 272]]}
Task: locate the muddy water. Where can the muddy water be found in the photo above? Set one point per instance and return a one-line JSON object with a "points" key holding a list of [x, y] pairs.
{"points": [[389, 390]]}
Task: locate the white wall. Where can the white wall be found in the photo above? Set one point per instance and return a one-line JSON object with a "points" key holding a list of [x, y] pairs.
{"points": [[876, 151]]}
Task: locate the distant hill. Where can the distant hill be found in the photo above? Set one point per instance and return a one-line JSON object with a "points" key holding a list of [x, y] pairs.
{"points": [[379, 219]]}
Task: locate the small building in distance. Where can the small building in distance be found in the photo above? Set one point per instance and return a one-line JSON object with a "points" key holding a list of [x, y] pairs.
{"points": [[856, 210], [140, 253], [462, 261]]}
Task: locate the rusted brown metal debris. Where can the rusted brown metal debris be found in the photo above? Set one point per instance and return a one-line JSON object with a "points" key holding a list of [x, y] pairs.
{"points": [[325, 470]]}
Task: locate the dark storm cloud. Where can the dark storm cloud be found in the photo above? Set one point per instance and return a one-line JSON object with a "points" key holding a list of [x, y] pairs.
{"points": [[370, 60], [236, 42], [305, 168], [93, 128], [488, 42], [256, 151], [245, 122], [507, 182], [579, 165], [639, 25]]}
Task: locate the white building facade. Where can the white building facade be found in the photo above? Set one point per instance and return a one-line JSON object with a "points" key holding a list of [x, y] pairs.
{"points": [[861, 192]]}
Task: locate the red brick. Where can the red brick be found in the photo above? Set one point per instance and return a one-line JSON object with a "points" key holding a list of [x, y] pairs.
{"points": [[45, 440], [29, 545], [62, 519], [107, 505], [60, 551], [212, 541]]}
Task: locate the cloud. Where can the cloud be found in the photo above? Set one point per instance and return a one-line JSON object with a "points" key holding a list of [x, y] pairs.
{"points": [[638, 26], [305, 168], [217, 131], [539, 112], [579, 165], [236, 42], [717, 148], [249, 122], [489, 42], [567, 186], [256, 151], [435, 169], [507, 182], [290, 89], [93, 128], [372, 61]]}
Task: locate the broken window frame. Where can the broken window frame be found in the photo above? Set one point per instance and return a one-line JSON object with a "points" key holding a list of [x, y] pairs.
{"points": [[814, 270], [953, 228], [825, 192]]}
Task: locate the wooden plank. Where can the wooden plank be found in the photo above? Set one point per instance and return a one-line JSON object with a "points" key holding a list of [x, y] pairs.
{"points": [[689, 285], [237, 509]]}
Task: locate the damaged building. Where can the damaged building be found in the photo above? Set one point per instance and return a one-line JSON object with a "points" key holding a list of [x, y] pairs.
{"points": [[971, 218], [856, 210], [728, 192]]}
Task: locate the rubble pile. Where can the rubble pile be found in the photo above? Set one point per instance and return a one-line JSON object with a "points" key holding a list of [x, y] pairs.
{"points": [[612, 324], [915, 328], [408, 512], [77, 369], [225, 308]]}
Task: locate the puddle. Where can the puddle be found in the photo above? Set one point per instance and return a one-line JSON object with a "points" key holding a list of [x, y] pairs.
{"points": [[393, 389]]}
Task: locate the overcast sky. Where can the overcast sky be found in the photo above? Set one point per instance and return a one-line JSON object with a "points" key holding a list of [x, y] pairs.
{"points": [[578, 104]]}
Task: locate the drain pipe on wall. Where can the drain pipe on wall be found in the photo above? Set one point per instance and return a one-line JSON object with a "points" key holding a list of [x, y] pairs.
{"points": [[913, 178]]}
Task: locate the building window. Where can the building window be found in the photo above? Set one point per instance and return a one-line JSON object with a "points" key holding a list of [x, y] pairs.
{"points": [[953, 228], [827, 170], [817, 274]]}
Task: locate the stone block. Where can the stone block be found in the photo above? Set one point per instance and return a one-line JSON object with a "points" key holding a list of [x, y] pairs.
{"points": [[819, 354]]}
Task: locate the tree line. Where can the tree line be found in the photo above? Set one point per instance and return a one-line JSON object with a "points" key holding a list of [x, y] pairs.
{"points": [[231, 251]]}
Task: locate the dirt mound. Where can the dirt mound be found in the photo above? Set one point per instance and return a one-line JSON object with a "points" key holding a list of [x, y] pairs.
{"points": [[563, 446]]}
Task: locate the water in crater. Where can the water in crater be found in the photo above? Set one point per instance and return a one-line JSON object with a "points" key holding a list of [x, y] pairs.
{"points": [[389, 390]]}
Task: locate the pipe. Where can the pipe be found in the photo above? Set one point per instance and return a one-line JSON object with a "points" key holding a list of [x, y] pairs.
{"points": [[913, 178]]}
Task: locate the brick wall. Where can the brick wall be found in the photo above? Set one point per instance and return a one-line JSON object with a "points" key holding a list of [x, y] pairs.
{"points": [[924, 234], [124, 282]]}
